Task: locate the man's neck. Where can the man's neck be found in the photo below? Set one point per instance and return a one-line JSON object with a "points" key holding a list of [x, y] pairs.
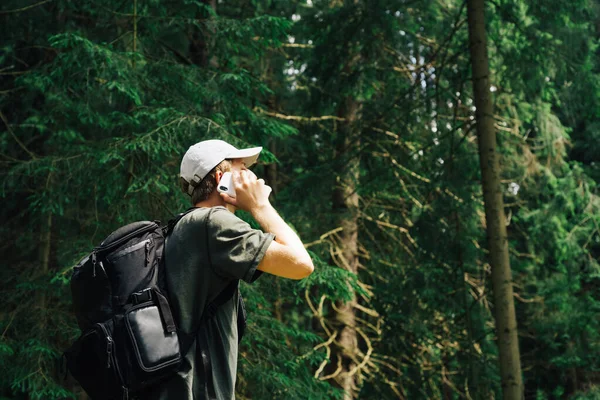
{"points": [[214, 200]]}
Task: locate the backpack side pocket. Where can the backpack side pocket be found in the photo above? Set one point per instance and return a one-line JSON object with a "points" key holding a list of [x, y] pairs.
{"points": [[92, 362], [155, 349]]}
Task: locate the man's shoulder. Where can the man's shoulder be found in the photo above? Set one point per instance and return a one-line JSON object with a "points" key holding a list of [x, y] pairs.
{"points": [[191, 224], [203, 211], [211, 218], [220, 218], [199, 214]]}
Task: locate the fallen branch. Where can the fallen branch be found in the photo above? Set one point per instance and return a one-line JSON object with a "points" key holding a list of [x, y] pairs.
{"points": [[298, 117]]}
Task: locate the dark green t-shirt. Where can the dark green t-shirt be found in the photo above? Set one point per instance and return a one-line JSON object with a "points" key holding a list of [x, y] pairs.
{"points": [[208, 249]]}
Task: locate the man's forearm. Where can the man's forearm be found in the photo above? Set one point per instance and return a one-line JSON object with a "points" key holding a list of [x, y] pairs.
{"points": [[271, 221]]}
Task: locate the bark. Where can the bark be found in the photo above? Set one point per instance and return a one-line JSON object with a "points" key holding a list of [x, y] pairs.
{"points": [[504, 308], [345, 210], [345, 207]]}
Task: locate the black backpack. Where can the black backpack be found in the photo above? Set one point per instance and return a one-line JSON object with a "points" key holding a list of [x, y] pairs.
{"points": [[129, 338]]}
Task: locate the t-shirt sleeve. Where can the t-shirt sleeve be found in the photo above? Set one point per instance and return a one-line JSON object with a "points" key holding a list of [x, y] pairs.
{"points": [[235, 248]]}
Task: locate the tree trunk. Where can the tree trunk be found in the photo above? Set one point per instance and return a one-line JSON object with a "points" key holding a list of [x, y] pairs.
{"points": [[504, 307], [200, 42], [345, 207], [45, 248]]}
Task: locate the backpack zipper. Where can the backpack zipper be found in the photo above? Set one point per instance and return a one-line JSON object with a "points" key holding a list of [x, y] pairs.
{"points": [[109, 352], [127, 237], [147, 246], [109, 349], [112, 257], [94, 261]]}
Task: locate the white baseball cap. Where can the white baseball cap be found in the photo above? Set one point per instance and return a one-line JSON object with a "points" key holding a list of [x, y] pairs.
{"points": [[202, 157]]}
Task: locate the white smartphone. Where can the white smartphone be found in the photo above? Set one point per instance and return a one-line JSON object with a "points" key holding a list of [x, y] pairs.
{"points": [[226, 185]]}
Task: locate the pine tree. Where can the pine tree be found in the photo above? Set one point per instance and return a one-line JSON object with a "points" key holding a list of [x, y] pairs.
{"points": [[506, 322]]}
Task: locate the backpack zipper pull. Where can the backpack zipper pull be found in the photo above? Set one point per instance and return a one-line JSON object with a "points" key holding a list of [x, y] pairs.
{"points": [[109, 349], [94, 264], [147, 253]]}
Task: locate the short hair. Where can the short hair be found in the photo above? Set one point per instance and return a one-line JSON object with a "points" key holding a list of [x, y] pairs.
{"points": [[207, 185]]}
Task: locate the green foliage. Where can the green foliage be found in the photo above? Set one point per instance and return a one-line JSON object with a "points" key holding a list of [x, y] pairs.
{"points": [[97, 111]]}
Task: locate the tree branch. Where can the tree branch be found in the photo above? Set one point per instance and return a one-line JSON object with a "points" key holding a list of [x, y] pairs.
{"points": [[25, 8], [297, 117], [33, 156]]}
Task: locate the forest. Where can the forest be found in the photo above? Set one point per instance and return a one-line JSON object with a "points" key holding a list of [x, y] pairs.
{"points": [[439, 159]]}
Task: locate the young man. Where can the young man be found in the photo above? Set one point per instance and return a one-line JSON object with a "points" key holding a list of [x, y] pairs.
{"points": [[211, 249]]}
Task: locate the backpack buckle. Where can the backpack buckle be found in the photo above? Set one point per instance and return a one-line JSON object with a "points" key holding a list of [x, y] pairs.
{"points": [[141, 296]]}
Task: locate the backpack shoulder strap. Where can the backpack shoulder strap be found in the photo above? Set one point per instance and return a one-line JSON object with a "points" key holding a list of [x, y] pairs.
{"points": [[167, 229], [226, 294]]}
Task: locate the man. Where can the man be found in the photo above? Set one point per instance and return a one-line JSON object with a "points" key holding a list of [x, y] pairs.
{"points": [[209, 250]]}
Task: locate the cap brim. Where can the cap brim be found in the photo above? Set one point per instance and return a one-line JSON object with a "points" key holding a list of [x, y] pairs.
{"points": [[249, 156]]}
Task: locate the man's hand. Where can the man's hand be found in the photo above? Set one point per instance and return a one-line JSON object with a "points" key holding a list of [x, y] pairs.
{"points": [[286, 255], [250, 193]]}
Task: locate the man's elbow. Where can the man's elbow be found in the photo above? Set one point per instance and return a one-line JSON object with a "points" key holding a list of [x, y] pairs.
{"points": [[306, 267]]}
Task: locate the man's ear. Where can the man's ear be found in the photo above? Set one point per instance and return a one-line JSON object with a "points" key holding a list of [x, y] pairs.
{"points": [[218, 176]]}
